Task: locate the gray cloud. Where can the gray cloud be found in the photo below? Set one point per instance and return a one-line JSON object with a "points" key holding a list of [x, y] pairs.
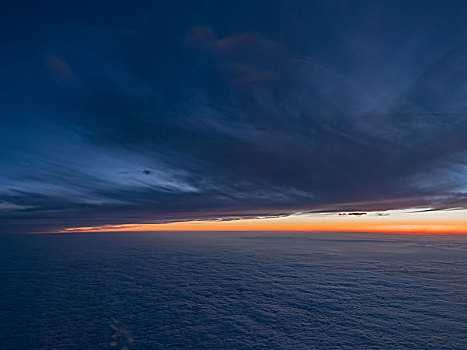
{"points": [[204, 125]]}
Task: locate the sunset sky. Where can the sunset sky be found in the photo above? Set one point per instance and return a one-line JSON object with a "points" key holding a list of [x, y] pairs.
{"points": [[231, 115], [397, 221]]}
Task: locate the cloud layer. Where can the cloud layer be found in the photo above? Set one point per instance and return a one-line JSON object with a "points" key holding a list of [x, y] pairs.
{"points": [[171, 114]]}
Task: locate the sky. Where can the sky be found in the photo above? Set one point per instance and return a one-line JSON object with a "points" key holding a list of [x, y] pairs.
{"points": [[249, 115]]}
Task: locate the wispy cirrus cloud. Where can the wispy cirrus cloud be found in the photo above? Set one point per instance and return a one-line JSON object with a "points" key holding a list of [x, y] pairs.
{"points": [[142, 122]]}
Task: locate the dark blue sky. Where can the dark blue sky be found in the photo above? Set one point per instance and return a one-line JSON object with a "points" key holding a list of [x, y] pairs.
{"points": [[136, 112]]}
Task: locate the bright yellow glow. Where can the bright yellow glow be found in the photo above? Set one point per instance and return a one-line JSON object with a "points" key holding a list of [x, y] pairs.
{"points": [[395, 221]]}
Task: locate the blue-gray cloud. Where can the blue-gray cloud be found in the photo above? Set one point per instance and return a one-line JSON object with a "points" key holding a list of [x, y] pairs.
{"points": [[174, 114]]}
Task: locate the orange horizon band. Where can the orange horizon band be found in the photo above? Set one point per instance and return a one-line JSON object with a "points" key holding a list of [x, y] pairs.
{"points": [[396, 227]]}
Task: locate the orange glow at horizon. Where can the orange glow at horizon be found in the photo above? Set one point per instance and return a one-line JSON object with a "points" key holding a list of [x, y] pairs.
{"points": [[397, 221]]}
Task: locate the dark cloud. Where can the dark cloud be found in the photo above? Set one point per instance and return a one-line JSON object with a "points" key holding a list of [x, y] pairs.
{"points": [[209, 115], [352, 214]]}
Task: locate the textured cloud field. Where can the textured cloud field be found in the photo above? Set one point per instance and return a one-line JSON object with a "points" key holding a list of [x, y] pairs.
{"points": [[114, 114], [233, 291]]}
